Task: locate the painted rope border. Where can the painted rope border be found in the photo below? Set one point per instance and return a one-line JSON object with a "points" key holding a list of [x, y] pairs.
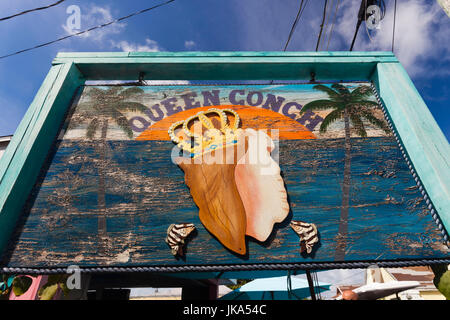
{"points": [[367, 65], [234, 267], [431, 209], [268, 266]]}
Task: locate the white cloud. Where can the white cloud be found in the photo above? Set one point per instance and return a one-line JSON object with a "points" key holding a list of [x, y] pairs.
{"points": [[149, 46], [421, 33], [94, 16], [189, 44]]}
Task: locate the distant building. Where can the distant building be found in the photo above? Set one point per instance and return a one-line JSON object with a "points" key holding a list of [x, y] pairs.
{"points": [[4, 141], [167, 293], [423, 274]]}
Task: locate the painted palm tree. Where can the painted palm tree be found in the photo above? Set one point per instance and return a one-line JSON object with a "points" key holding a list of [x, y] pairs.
{"points": [[353, 107], [104, 108]]}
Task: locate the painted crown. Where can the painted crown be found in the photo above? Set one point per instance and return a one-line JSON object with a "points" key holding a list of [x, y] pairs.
{"points": [[209, 138]]}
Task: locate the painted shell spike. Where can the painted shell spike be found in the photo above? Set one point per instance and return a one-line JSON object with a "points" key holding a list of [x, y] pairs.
{"points": [[308, 234], [176, 235]]}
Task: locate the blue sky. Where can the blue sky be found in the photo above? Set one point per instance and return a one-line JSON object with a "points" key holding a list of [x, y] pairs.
{"points": [[211, 25]]}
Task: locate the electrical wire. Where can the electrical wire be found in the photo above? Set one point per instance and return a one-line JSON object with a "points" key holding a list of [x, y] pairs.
{"points": [[393, 26], [332, 24], [88, 30], [316, 285], [294, 25], [327, 22], [321, 26], [358, 23], [31, 10], [362, 15]]}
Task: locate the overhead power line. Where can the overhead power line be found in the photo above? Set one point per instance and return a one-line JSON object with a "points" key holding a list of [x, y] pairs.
{"points": [[321, 25], [332, 24], [393, 26], [294, 25], [31, 10], [325, 26], [88, 30], [362, 15]]}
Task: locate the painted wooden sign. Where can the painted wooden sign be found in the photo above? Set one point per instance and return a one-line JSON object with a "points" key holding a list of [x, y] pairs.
{"points": [[224, 174]]}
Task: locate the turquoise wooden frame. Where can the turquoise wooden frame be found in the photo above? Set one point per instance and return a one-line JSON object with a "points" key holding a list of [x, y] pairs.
{"points": [[419, 133]]}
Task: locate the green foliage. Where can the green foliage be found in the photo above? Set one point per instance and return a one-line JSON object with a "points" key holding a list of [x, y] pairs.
{"points": [[355, 102], [331, 93], [358, 125], [18, 284], [92, 128], [21, 284], [108, 105], [55, 282], [5, 286], [341, 89], [442, 278], [329, 119], [240, 283], [320, 105], [444, 284]]}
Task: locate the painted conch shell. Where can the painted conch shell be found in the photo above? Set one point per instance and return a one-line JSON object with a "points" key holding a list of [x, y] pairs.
{"points": [[231, 176], [176, 236], [261, 186], [212, 185]]}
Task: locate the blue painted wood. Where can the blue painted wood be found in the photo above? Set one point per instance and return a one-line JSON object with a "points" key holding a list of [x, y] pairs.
{"points": [[201, 54], [422, 138], [21, 163], [25, 155], [146, 193]]}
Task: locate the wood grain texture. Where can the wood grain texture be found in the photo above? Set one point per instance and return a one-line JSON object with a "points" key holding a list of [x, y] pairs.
{"points": [[146, 193], [200, 54], [213, 188], [424, 142], [23, 159], [226, 65], [388, 218], [250, 117]]}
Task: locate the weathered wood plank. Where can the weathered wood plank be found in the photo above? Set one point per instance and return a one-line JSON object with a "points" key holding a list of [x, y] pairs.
{"points": [[115, 70], [24, 158], [25, 122], [201, 54], [226, 65], [139, 198], [145, 194], [422, 138]]}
